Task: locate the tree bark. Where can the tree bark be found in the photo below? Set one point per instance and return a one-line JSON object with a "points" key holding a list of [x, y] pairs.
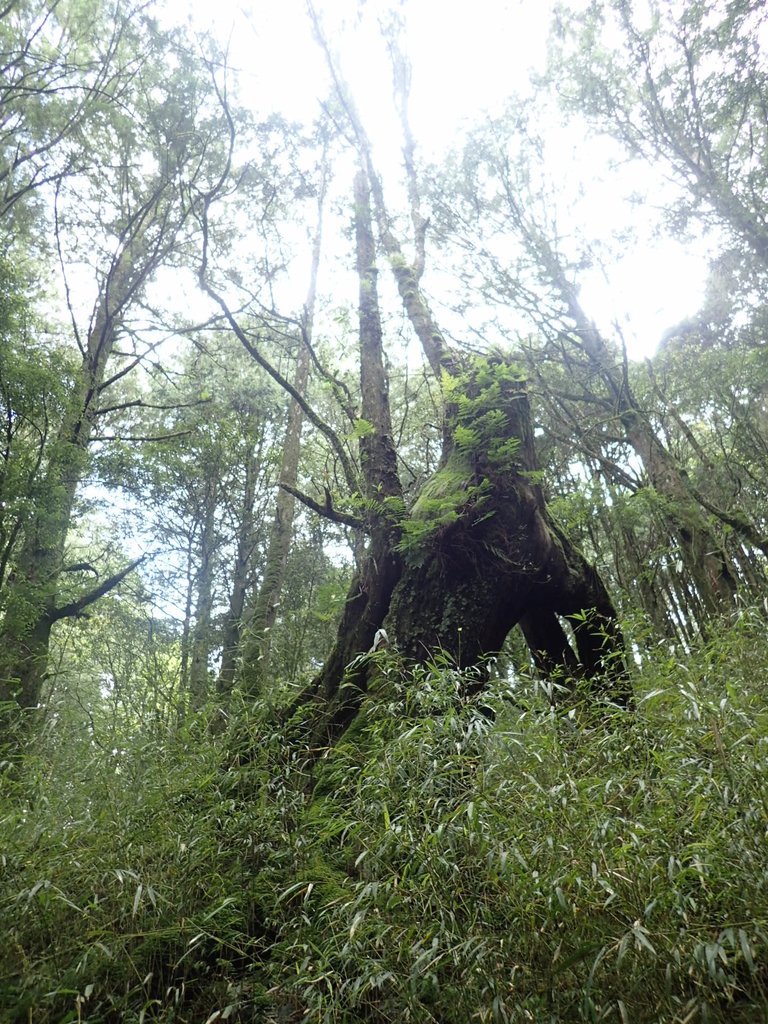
{"points": [[479, 552], [501, 560]]}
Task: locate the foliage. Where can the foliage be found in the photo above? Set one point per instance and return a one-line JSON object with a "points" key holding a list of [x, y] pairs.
{"points": [[479, 420], [311, 602], [451, 860], [33, 377], [481, 447], [116, 674], [496, 858]]}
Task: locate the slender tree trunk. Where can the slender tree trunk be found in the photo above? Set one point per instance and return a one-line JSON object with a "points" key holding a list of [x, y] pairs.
{"points": [[582, 346], [233, 625], [31, 608], [186, 628], [651, 600], [199, 675], [703, 555], [341, 686], [256, 653]]}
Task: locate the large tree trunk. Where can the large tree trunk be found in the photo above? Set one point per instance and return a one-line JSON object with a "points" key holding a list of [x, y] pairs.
{"points": [[478, 555], [492, 557]]}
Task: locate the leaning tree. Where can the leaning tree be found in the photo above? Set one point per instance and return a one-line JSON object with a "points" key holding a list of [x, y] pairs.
{"points": [[121, 209]]}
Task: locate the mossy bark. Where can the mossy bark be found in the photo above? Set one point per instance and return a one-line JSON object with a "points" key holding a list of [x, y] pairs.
{"points": [[500, 561], [479, 552], [479, 555]]}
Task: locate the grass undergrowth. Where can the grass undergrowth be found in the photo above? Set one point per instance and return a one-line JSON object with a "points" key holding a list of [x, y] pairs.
{"points": [[446, 862]]}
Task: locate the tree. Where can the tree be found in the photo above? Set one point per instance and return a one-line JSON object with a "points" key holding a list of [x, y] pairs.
{"points": [[478, 551], [256, 650], [142, 204], [115, 675], [201, 490], [685, 84], [682, 86], [585, 378], [62, 68]]}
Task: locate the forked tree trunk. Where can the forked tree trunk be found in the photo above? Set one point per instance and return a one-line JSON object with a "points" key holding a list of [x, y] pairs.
{"points": [[478, 553], [493, 556]]}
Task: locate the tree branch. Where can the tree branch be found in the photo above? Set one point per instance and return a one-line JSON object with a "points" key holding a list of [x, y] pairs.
{"points": [[736, 520], [75, 608], [138, 403], [208, 198], [407, 276], [140, 437], [326, 510], [81, 567]]}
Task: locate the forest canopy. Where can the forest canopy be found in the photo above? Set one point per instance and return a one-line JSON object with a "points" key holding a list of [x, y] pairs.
{"points": [[382, 599]]}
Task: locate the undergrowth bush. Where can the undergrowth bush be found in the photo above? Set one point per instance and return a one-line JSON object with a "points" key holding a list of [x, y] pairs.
{"points": [[447, 861]]}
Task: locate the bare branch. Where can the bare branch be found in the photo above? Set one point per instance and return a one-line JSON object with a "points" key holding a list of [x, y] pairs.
{"points": [[138, 403], [326, 509], [81, 567], [130, 366], [76, 608], [141, 438]]}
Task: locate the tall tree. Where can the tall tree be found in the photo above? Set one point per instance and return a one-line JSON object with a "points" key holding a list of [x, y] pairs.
{"points": [[62, 66], [256, 652], [585, 377], [683, 83], [478, 551], [141, 209], [682, 86]]}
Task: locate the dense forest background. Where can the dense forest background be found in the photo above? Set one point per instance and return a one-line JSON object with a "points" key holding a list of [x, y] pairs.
{"points": [[382, 616]]}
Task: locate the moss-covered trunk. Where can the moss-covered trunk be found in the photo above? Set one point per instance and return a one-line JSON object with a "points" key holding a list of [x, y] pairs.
{"points": [[482, 553], [478, 554]]}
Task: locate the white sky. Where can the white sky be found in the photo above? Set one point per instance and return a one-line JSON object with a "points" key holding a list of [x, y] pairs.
{"points": [[466, 59]]}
